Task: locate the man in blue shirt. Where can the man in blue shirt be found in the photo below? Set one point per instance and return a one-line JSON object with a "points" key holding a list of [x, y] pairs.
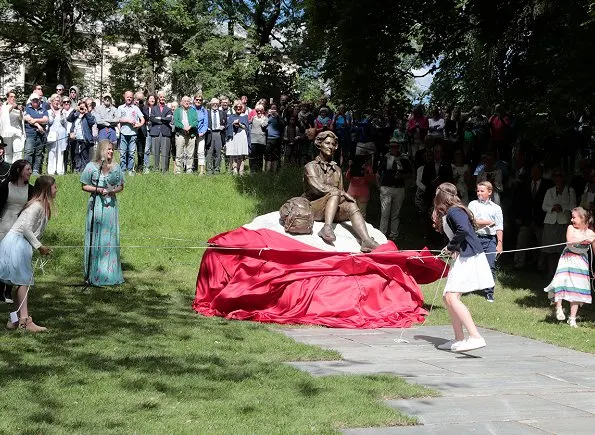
{"points": [[201, 128], [36, 119], [131, 119]]}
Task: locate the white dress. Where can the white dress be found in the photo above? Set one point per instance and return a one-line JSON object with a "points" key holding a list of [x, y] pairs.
{"points": [[467, 274], [238, 146], [17, 198], [16, 249]]}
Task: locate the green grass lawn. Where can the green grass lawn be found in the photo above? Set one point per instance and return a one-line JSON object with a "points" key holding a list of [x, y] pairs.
{"points": [[137, 359]]}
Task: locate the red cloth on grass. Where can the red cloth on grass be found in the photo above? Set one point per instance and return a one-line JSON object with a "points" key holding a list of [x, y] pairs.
{"points": [[297, 283]]}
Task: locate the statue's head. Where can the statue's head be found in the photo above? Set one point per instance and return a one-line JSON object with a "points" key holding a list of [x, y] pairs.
{"points": [[323, 136]]}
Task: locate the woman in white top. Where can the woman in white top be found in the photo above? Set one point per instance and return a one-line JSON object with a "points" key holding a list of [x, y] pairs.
{"points": [[16, 249], [13, 128], [258, 137], [57, 137], [557, 205], [14, 194], [436, 125]]}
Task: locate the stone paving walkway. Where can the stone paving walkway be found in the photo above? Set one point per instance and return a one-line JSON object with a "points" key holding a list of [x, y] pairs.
{"points": [[515, 385]]}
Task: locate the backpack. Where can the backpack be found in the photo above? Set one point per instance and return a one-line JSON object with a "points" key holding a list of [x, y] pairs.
{"points": [[296, 216]]}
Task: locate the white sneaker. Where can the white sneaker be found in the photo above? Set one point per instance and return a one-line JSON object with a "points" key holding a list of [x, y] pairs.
{"points": [[470, 343], [131, 173], [560, 314], [448, 345], [572, 322]]}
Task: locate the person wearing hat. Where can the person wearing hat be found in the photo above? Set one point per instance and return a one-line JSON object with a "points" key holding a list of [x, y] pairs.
{"points": [[392, 173], [36, 119], [107, 119]]}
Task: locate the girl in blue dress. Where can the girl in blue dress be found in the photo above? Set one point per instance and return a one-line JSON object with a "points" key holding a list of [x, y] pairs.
{"points": [[16, 249], [103, 179]]}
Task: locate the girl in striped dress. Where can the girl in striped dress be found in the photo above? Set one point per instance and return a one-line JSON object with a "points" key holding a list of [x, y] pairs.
{"points": [[572, 278]]}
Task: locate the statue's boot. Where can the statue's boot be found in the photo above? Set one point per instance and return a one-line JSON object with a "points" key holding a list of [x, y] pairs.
{"points": [[369, 245], [327, 234]]}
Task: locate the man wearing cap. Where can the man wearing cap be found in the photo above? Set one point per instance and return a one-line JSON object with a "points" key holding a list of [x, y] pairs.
{"points": [[393, 171], [131, 120], [106, 117], [36, 118]]}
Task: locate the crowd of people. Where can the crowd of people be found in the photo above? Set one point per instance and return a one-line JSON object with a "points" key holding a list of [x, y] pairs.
{"points": [[153, 134], [506, 181]]}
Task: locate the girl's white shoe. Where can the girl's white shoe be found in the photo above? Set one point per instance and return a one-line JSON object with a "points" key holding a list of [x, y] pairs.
{"points": [[572, 322], [449, 344]]}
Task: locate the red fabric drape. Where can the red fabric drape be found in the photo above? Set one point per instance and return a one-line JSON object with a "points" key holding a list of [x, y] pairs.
{"points": [[295, 283]]}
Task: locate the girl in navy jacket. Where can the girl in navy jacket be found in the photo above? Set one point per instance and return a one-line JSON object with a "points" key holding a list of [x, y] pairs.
{"points": [[470, 271]]}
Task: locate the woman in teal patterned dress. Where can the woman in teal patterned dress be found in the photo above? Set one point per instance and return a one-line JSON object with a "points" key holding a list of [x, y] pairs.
{"points": [[103, 179]]}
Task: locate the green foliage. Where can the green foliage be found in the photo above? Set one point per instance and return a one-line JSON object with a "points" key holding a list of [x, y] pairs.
{"points": [[366, 48], [46, 35], [531, 55]]}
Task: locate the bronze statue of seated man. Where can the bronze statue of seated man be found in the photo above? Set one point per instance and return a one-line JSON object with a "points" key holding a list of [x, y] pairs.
{"points": [[323, 187]]}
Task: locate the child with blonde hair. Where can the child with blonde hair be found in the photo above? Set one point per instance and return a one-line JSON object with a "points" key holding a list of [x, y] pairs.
{"points": [[571, 281], [490, 227]]}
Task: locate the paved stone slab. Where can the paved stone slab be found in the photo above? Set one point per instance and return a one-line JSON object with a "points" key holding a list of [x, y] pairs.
{"points": [[500, 428], [575, 426], [579, 400], [514, 385], [442, 410], [401, 368]]}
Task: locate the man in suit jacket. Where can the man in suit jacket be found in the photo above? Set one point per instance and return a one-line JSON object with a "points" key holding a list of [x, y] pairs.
{"points": [[161, 117], [436, 173], [529, 214], [217, 120]]}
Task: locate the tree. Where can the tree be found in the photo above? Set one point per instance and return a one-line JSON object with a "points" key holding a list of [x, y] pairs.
{"points": [[531, 55], [156, 32], [367, 48], [48, 35]]}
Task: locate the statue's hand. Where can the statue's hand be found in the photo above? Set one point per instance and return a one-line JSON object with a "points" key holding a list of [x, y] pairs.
{"points": [[348, 197]]}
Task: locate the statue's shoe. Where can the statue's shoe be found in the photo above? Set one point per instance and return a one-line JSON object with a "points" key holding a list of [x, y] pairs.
{"points": [[369, 245], [327, 234]]}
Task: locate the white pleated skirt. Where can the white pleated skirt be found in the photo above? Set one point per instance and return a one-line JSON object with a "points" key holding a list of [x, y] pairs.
{"points": [[469, 274]]}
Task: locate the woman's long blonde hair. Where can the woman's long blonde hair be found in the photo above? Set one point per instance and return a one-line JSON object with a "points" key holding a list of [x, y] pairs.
{"points": [[42, 192], [447, 197], [102, 147]]}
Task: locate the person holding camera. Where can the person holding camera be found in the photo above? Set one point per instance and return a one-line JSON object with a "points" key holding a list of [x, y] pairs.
{"points": [[81, 134]]}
